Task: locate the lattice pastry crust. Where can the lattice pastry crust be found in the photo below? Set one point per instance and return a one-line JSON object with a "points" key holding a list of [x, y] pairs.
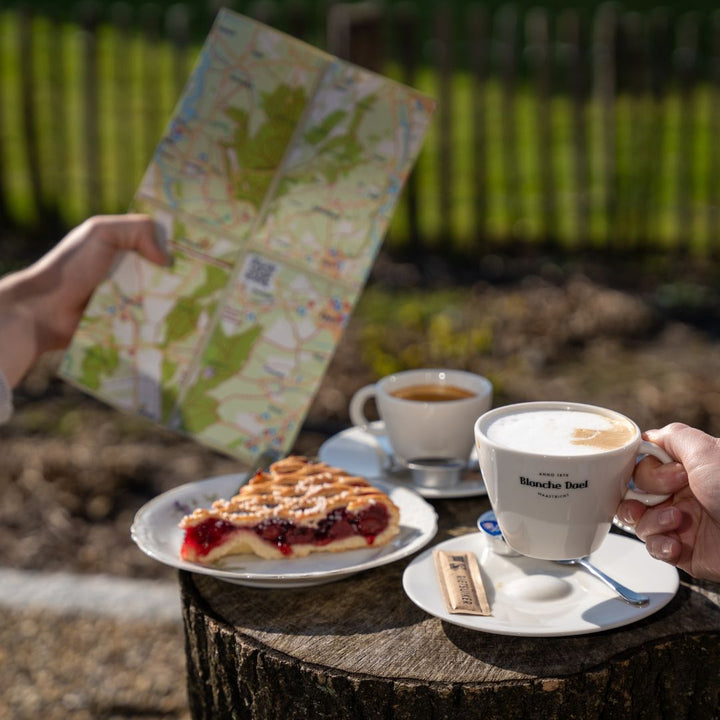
{"points": [[294, 497]]}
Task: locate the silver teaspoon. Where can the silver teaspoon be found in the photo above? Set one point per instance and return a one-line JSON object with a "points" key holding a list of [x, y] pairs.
{"points": [[625, 593]]}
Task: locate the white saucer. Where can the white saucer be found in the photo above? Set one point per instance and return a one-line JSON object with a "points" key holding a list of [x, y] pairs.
{"points": [[156, 532], [542, 598], [369, 455]]}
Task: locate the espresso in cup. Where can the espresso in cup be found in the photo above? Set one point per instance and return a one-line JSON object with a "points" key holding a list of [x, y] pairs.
{"points": [[432, 393], [426, 413], [555, 473]]}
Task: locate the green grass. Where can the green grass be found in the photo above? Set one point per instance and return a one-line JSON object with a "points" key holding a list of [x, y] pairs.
{"points": [[430, 329]]}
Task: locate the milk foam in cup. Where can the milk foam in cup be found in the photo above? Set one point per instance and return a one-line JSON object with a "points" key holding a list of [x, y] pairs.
{"points": [[555, 473], [560, 432]]}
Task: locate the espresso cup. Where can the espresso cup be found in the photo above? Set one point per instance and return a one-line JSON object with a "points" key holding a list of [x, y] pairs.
{"points": [[426, 413], [556, 472]]}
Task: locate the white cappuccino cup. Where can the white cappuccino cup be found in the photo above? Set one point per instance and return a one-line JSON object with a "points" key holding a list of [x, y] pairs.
{"points": [[555, 473]]}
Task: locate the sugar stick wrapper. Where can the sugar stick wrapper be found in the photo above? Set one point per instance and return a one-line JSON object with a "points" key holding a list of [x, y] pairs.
{"points": [[461, 583]]}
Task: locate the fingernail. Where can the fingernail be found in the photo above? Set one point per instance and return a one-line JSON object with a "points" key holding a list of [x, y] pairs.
{"points": [[660, 548], [666, 548], [162, 240], [667, 518], [625, 517]]}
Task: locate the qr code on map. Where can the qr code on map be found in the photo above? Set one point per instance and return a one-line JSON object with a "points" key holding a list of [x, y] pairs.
{"points": [[259, 272]]}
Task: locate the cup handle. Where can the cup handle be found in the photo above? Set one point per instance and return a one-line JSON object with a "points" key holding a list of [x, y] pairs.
{"points": [[357, 410], [648, 448]]}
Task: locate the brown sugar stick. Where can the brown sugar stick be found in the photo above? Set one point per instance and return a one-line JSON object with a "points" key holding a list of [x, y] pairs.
{"points": [[461, 583]]}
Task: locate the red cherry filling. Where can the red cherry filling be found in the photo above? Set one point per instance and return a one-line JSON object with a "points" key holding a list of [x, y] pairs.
{"points": [[339, 524], [207, 535]]}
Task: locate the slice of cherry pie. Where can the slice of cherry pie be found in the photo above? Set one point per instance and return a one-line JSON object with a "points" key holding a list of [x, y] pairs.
{"points": [[294, 508]]}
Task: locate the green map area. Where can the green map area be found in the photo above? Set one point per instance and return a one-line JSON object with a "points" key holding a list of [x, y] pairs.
{"points": [[259, 154]]}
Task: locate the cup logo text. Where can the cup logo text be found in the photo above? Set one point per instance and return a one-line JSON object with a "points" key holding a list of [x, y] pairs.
{"points": [[552, 485]]}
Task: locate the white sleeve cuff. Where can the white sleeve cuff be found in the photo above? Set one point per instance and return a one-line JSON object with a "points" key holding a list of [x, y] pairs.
{"points": [[6, 399]]}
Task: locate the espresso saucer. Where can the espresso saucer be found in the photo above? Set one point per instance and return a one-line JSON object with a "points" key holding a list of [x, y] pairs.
{"points": [[364, 453]]}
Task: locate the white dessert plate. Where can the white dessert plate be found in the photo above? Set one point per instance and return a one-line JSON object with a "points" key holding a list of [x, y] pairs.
{"points": [[541, 598], [363, 453], [155, 530]]}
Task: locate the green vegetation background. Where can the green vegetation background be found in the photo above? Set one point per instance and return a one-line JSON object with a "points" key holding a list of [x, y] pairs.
{"points": [[131, 123], [138, 89]]}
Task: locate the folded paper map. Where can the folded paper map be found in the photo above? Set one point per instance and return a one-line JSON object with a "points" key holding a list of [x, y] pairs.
{"points": [[273, 183]]}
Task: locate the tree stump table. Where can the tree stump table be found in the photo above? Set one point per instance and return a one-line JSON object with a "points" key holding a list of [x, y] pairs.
{"points": [[360, 649]]}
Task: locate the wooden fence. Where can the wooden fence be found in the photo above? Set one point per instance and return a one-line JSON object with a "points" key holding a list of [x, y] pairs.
{"points": [[577, 130]]}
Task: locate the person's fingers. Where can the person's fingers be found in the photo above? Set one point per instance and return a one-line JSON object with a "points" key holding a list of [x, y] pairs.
{"points": [[629, 512], [138, 233], [148, 247], [664, 547], [686, 444], [661, 520], [653, 476]]}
